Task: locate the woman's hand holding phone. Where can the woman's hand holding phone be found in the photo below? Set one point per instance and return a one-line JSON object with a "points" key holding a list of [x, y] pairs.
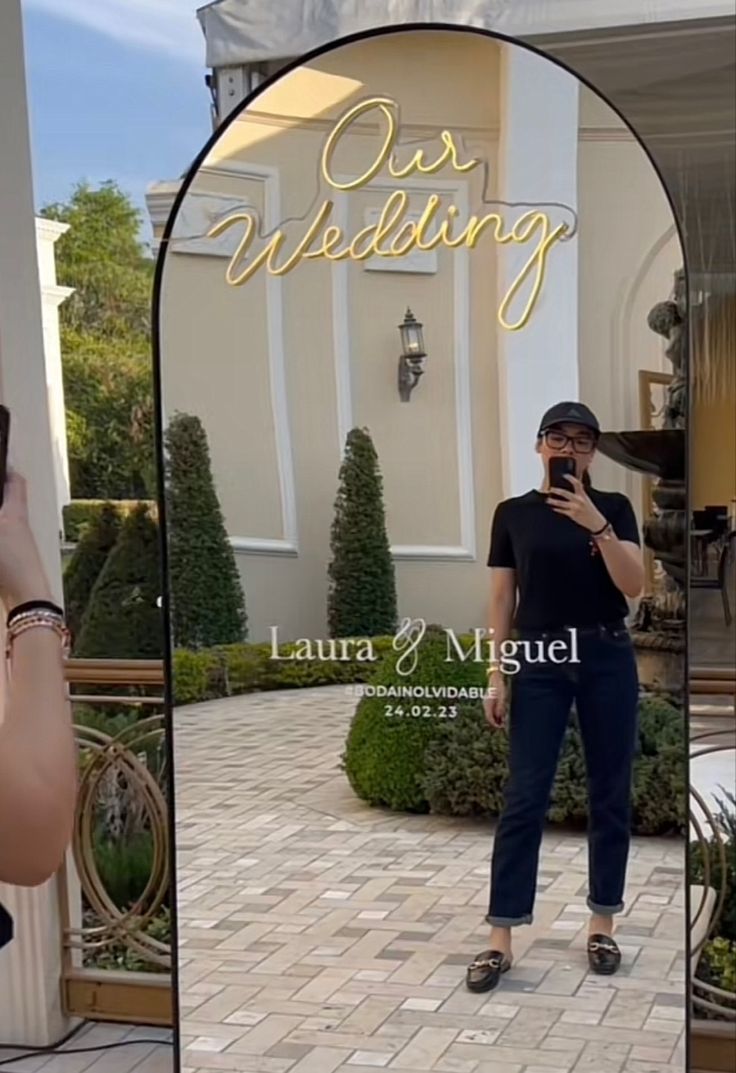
{"points": [[22, 575], [576, 504]]}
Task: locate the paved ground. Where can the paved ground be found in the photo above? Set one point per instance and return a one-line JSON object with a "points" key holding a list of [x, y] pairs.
{"points": [[321, 935], [139, 1053]]}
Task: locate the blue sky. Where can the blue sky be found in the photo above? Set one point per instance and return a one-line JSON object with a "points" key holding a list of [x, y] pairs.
{"points": [[116, 91]]}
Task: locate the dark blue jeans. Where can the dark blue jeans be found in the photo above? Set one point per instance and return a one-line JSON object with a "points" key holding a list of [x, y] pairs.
{"points": [[605, 687]]}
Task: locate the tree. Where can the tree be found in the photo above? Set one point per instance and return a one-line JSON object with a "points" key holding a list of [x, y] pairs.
{"points": [[110, 419], [362, 594], [207, 602], [90, 556], [123, 619], [105, 343], [102, 257]]}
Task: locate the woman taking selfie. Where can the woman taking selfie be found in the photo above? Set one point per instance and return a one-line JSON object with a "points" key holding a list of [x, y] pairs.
{"points": [[562, 557], [37, 751]]}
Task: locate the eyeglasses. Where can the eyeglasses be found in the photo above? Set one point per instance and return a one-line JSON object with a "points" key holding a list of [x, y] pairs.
{"points": [[555, 439]]}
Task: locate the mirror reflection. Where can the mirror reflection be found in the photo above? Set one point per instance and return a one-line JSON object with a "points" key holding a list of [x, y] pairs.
{"points": [[409, 284]]}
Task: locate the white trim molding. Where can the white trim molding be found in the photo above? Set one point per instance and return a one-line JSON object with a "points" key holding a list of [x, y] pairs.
{"points": [[458, 190], [160, 199], [263, 546]]}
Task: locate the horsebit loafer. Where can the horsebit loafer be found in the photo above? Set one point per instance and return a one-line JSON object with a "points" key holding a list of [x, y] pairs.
{"points": [[485, 970], [604, 956]]}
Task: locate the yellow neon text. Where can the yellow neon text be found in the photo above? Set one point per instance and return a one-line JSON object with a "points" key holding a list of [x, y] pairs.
{"points": [[393, 235]]}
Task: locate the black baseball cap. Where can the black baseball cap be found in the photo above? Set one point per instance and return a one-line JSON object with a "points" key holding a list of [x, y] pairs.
{"points": [[577, 412]]}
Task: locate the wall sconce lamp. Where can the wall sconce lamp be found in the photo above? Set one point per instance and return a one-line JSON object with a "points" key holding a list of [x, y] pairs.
{"points": [[413, 355]]}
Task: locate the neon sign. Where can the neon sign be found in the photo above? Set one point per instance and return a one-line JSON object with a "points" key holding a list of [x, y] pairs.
{"points": [[393, 235]]}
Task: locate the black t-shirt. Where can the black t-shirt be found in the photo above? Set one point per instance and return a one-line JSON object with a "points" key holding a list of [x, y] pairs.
{"points": [[560, 583]]}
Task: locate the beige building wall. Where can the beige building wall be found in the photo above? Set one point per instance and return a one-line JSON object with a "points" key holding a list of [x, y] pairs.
{"points": [[629, 252], [281, 368]]}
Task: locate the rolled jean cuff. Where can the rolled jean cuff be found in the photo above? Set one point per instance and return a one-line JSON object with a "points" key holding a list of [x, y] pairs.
{"points": [[507, 922], [604, 910]]}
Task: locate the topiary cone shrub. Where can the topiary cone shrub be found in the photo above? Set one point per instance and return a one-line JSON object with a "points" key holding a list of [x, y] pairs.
{"points": [[466, 768], [96, 541], [384, 757], [122, 619], [207, 603], [361, 600]]}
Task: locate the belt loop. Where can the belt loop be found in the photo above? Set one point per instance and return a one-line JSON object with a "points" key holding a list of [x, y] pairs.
{"points": [[601, 629]]}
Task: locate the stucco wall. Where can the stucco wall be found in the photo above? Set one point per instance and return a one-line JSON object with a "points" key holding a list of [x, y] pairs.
{"points": [[280, 368]]}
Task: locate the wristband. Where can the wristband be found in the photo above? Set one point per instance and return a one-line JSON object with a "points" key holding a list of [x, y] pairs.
{"points": [[602, 529], [33, 605]]}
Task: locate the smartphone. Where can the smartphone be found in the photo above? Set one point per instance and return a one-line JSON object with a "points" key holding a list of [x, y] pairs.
{"points": [[4, 438], [559, 465]]}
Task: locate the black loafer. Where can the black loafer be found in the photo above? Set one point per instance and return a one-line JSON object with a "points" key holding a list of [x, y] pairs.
{"points": [[484, 971], [604, 956]]}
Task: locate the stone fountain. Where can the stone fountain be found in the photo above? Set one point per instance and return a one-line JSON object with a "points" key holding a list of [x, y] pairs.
{"points": [[660, 625]]}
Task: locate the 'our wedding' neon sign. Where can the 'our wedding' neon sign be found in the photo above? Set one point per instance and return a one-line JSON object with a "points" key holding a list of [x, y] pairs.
{"points": [[393, 235]]}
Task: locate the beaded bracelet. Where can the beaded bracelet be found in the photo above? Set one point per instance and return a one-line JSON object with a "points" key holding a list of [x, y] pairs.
{"points": [[43, 618], [34, 605]]}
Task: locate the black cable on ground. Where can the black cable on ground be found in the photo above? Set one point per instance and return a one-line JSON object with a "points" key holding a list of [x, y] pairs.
{"points": [[56, 1048]]}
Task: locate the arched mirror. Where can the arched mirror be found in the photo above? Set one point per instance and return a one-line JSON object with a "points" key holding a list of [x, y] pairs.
{"points": [[404, 277]]}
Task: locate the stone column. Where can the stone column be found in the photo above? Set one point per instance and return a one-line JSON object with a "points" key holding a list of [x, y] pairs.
{"points": [[30, 967], [538, 161], [48, 233]]}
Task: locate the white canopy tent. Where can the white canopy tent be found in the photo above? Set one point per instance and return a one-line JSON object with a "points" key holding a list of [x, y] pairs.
{"points": [[254, 31], [666, 64]]}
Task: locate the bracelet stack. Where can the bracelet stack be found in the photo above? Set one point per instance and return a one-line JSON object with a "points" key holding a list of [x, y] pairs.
{"points": [[37, 614]]}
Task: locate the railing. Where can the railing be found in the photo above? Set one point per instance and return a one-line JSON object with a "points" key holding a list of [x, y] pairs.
{"points": [[713, 1042], [115, 965]]}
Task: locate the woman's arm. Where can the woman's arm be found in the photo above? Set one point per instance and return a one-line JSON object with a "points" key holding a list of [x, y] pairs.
{"points": [[625, 564], [38, 767], [38, 773], [502, 604], [623, 558]]}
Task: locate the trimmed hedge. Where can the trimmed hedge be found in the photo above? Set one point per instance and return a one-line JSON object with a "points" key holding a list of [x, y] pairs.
{"points": [[123, 620], [466, 766], [361, 600], [98, 537], [80, 513], [229, 670], [459, 766], [207, 600], [384, 758]]}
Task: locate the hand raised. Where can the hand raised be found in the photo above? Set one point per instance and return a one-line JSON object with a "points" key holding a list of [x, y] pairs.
{"points": [[576, 504]]}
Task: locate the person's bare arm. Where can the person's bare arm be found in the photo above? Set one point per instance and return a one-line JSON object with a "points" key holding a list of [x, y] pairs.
{"points": [[502, 604], [623, 558], [38, 773], [625, 564]]}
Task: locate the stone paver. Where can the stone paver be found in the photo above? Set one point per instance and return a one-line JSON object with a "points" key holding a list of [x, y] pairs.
{"points": [[318, 934]]}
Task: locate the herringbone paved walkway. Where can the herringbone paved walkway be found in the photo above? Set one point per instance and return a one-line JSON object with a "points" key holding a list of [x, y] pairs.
{"points": [[320, 935]]}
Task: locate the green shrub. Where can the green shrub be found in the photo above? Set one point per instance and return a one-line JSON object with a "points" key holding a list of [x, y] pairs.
{"points": [[362, 588], [195, 676], [718, 879], [385, 755], [125, 866], [108, 719], [82, 513], [98, 537], [460, 766], [229, 670], [119, 956], [122, 619], [207, 603]]}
